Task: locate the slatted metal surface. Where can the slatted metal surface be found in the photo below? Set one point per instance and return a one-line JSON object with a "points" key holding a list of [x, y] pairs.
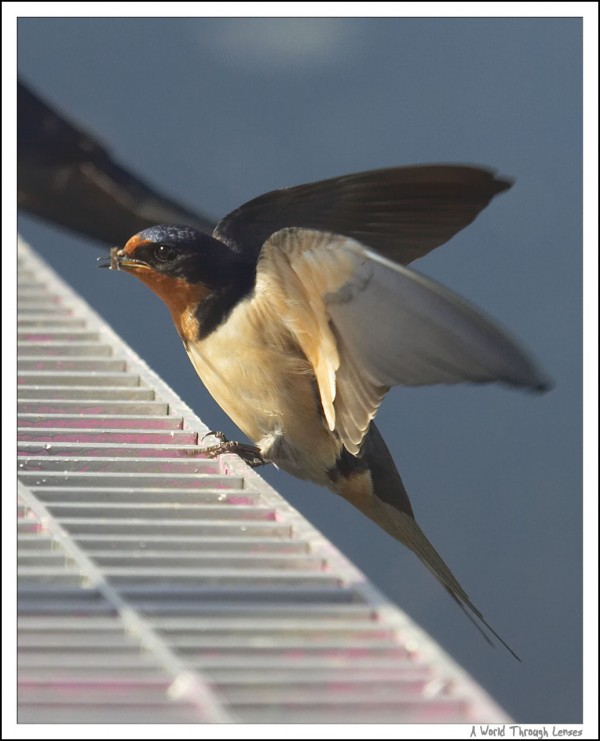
{"points": [[159, 586]]}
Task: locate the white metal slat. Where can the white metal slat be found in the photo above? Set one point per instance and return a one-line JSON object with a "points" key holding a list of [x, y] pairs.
{"points": [[47, 691], [186, 583]]}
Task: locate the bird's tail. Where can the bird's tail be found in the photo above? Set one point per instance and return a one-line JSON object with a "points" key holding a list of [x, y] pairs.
{"points": [[374, 486]]}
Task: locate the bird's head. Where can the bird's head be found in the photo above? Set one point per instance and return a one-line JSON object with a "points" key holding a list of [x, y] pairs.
{"points": [[189, 270]]}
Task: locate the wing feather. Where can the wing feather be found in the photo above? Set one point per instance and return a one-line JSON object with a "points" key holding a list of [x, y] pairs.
{"points": [[402, 212], [366, 324], [358, 397], [288, 273]]}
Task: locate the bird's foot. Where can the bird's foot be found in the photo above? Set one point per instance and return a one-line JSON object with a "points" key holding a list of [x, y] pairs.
{"points": [[219, 435], [250, 454]]}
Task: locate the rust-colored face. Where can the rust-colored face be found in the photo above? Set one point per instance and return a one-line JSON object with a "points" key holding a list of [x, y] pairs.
{"points": [[141, 257], [198, 277]]}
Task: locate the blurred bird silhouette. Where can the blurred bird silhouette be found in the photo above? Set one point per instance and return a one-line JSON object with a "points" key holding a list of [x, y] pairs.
{"points": [[65, 176]]}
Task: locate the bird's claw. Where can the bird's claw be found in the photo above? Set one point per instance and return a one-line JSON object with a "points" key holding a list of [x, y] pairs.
{"points": [[219, 435], [250, 454]]}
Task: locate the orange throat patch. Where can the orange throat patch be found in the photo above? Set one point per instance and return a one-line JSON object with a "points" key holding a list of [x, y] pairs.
{"points": [[182, 299]]}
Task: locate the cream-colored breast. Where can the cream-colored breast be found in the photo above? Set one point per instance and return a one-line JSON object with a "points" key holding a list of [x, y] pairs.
{"points": [[257, 374]]}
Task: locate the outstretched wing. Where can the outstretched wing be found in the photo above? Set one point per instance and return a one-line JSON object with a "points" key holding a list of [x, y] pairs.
{"points": [[366, 324], [402, 212]]}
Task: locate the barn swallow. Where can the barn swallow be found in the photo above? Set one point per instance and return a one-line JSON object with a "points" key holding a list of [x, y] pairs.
{"points": [[299, 314]]}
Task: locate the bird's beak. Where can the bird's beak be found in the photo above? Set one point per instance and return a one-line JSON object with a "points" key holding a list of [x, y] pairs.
{"points": [[120, 260]]}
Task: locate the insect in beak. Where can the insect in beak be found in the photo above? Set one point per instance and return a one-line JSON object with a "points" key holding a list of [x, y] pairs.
{"points": [[112, 261]]}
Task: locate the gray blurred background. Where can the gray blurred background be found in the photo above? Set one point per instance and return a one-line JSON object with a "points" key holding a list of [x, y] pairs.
{"points": [[217, 111]]}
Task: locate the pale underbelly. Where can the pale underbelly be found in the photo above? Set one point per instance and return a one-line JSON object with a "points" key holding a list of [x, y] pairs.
{"points": [[275, 404]]}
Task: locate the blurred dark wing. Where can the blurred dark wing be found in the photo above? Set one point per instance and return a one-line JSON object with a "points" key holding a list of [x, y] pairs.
{"points": [[67, 177], [402, 212]]}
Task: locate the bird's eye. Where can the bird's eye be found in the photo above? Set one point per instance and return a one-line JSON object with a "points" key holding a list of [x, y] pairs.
{"points": [[164, 253]]}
